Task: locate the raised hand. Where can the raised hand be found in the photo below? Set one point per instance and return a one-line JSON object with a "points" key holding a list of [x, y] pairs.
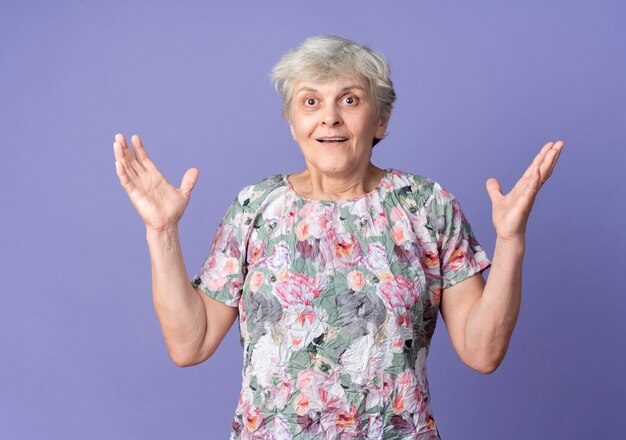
{"points": [[510, 212], [159, 204]]}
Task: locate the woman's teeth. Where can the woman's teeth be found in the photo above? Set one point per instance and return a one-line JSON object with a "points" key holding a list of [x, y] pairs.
{"points": [[335, 139]]}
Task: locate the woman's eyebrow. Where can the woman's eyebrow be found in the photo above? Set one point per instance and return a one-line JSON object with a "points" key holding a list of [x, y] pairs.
{"points": [[306, 89], [353, 86], [343, 89]]}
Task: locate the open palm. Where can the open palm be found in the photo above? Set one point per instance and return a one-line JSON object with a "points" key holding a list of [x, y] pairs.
{"points": [[510, 212], [158, 202]]}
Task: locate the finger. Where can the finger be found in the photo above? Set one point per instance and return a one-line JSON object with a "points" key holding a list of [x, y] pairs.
{"points": [[131, 160], [140, 152], [126, 182], [549, 162], [118, 150], [558, 146], [121, 139], [545, 168], [121, 156], [534, 182], [189, 180], [538, 158], [527, 189], [494, 189]]}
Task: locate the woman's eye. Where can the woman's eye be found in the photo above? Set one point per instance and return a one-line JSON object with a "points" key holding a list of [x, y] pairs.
{"points": [[350, 100], [310, 102]]}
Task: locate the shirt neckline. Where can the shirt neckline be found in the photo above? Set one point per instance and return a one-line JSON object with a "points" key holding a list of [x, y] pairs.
{"points": [[376, 190]]}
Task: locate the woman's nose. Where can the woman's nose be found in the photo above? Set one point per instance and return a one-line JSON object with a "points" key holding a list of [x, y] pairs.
{"points": [[331, 117]]}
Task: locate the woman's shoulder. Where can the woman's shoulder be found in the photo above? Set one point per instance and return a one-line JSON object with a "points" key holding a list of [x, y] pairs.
{"points": [[256, 193], [417, 186]]}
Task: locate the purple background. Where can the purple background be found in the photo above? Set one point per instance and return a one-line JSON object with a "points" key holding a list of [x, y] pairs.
{"points": [[482, 85]]}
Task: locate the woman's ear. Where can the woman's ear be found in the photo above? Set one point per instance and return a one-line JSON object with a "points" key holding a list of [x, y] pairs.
{"points": [[381, 130]]}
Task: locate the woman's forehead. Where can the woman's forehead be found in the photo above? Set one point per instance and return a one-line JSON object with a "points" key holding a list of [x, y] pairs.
{"points": [[337, 84]]}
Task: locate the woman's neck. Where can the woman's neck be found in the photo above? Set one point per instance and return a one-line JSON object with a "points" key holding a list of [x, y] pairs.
{"points": [[317, 185]]}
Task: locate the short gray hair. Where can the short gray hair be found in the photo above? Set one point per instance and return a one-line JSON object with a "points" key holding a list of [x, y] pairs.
{"points": [[326, 57]]}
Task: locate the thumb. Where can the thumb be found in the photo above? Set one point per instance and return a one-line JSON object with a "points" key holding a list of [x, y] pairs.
{"points": [[189, 181], [494, 189]]}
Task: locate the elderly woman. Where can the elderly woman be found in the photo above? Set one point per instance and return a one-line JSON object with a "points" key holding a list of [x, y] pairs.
{"points": [[337, 273]]}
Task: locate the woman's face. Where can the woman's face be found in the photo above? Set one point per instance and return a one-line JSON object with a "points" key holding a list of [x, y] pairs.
{"points": [[335, 123]]}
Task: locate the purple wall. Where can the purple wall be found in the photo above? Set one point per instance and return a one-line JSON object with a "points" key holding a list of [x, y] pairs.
{"points": [[481, 85]]}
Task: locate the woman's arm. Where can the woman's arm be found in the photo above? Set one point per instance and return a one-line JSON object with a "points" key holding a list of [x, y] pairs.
{"points": [[481, 317], [193, 324]]}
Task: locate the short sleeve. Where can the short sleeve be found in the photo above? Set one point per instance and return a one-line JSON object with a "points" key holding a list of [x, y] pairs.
{"points": [[460, 254], [222, 275]]}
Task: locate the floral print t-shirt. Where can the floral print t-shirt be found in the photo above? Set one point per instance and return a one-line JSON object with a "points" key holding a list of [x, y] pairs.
{"points": [[337, 303]]}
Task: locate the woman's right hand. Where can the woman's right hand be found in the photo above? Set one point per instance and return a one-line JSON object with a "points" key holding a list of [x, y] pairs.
{"points": [[159, 203]]}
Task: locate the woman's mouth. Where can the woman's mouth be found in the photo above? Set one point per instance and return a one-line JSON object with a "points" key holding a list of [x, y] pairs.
{"points": [[330, 140]]}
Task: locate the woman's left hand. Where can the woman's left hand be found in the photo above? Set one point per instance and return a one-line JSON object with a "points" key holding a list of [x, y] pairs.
{"points": [[510, 212]]}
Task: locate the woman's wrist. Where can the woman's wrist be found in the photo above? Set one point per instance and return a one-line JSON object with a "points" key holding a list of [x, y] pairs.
{"points": [[159, 235], [510, 248]]}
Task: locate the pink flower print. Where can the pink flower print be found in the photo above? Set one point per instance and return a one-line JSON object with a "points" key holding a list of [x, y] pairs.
{"points": [[309, 423], [256, 251], [434, 293], [287, 221], [398, 214], [399, 233], [374, 427], [323, 391], [347, 418], [309, 249], [430, 259], [376, 259], [252, 418], [315, 220], [406, 253], [408, 394], [356, 280], [279, 429], [380, 387], [403, 424], [399, 294], [306, 379], [301, 404], [242, 315], [302, 231], [388, 185], [298, 289], [215, 274], [381, 221], [430, 422], [457, 258], [307, 210], [283, 389], [302, 324], [279, 259], [344, 247], [222, 235], [347, 251], [398, 404], [256, 280]]}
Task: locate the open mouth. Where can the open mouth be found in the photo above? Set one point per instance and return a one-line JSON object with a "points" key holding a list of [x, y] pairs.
{"points": [[332, 139]]}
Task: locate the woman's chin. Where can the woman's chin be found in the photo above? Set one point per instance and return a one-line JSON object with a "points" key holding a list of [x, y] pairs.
{"points": [[336, 166]]}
